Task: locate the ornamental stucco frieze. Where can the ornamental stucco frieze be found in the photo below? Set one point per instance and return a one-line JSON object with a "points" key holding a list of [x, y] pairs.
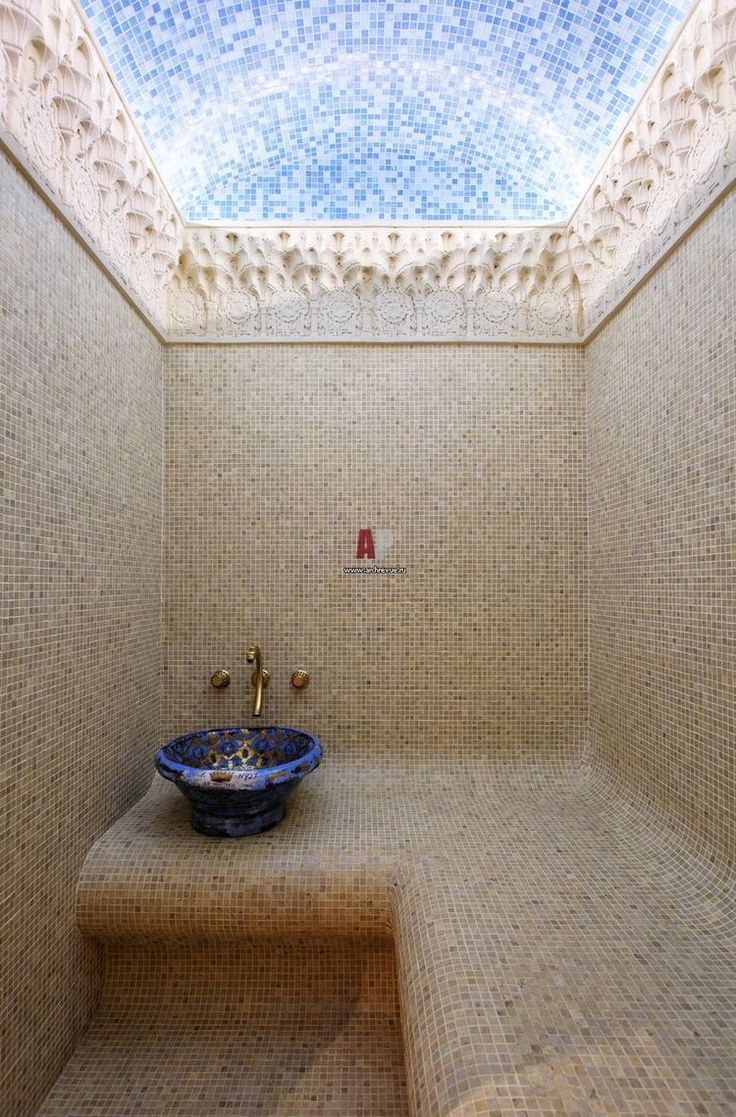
{"points": [[674, 158], [375, 283], [61, 107], [62, 111]]}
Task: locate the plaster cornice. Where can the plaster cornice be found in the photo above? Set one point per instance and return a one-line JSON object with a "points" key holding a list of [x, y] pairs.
{"points": [[61, 107], [62, 111], [674, 158], [375, 283]]}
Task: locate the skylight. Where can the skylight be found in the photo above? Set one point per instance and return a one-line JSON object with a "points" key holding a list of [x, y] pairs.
{"points": [[339, 110]]}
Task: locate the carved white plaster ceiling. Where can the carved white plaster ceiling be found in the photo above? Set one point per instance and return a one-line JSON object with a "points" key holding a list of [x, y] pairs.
{"points": [[63, 118]]}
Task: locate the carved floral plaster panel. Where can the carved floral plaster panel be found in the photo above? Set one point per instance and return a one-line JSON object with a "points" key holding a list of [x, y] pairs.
{"points": [[545, 283], [374, 282]]}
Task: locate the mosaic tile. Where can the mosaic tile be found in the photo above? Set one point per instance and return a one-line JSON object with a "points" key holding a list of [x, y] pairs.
{"points": [[559, 950], [305, 1027], [449, 110], [80, 538], [663, 540], [561, 913], [292, 450]]}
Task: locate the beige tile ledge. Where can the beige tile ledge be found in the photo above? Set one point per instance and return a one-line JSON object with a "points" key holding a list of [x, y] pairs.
{"points": [[351, 832], [328, 868], [554, 956]]}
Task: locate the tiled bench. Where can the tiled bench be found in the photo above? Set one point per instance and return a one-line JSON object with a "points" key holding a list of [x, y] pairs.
{"points": [[555, 956]]}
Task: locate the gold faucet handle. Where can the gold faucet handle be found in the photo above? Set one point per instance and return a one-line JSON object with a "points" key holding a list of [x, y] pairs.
{"points": [[299, 679], [220, 678]]}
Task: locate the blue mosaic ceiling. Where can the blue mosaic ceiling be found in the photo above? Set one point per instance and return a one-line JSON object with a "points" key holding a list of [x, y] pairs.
{"points": [[335, 110]]}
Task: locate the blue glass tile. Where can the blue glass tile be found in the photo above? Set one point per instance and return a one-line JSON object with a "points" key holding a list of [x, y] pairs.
{"points": [[447, 110]]}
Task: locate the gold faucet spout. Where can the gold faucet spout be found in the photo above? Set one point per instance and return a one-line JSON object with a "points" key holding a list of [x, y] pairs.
{"points": [[258, 678]]}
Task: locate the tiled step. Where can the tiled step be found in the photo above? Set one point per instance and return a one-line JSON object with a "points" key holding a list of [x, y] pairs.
{"points": [[306, 1028]]}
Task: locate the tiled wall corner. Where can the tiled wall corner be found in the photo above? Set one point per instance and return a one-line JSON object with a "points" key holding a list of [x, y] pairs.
{"points": [[81, 624], [662, 458], [471, 456]]}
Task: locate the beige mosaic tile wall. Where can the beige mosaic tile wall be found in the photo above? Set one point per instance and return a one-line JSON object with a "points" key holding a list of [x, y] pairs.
{"points": [[80, 535], [662, 499], [471, 456]]}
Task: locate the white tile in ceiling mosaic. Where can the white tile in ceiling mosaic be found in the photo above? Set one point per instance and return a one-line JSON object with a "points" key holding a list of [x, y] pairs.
{"points": [[335, 110]]}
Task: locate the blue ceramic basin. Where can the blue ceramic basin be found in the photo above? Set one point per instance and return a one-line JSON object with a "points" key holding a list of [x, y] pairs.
{"points": [[238, 780]]}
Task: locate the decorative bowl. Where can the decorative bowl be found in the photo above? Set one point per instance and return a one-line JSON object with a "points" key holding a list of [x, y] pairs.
{"points": [[238, 780]]}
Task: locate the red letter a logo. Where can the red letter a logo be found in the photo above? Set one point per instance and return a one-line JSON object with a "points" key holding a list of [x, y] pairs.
{"points": [[365, 547]]}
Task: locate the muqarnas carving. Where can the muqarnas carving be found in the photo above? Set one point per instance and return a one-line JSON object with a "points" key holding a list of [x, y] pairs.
{"points": [[378, 282], [58, 102], [676, 156], [546, 283]]}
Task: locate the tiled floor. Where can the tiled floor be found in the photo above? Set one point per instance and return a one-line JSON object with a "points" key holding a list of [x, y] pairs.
{"points": [[242, 1030], [556, 955]]}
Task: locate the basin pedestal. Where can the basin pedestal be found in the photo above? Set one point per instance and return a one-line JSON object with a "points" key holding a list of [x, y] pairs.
{"points": [[223, 814]]}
